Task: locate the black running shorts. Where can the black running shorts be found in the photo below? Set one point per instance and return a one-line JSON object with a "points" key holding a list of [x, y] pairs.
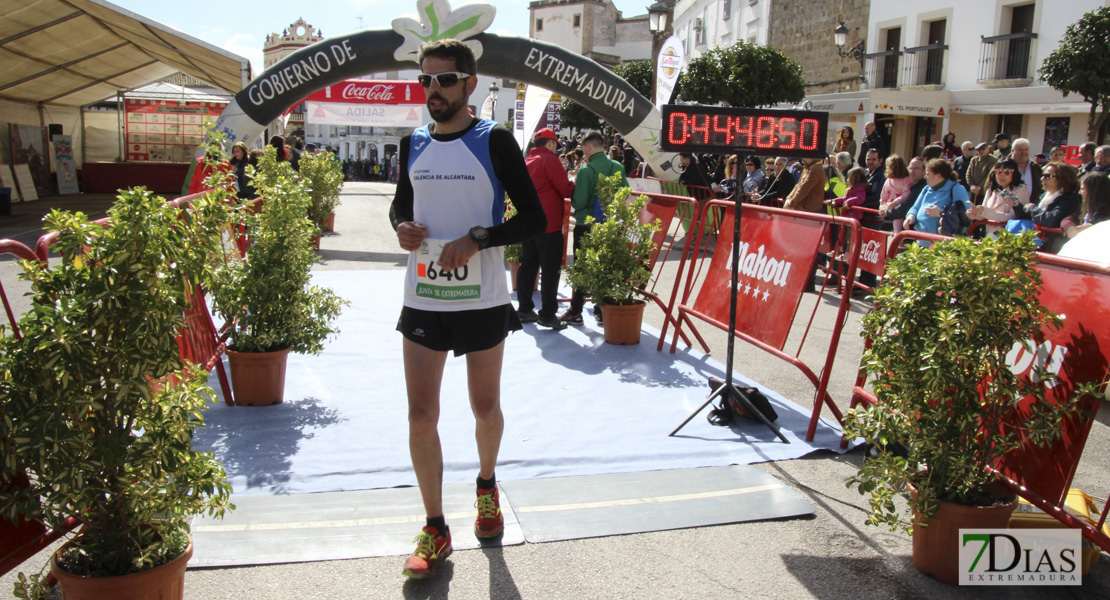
{"points": [[461, 331]]}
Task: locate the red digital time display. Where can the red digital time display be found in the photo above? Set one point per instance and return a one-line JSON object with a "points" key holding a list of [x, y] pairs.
{"points": [[765, 132]]}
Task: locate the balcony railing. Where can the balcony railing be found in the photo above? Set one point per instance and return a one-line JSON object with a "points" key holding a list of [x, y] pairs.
{"points": [[882, 69], [1006, 60], [924, 66]]}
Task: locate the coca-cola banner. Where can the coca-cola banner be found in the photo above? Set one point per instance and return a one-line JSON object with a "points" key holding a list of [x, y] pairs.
{"points": [[872, 250], [371, 91], [776, 255], [332, 61]]}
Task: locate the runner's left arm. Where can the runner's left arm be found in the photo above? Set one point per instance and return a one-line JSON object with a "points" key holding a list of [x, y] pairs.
{"points": [[508, 165]]}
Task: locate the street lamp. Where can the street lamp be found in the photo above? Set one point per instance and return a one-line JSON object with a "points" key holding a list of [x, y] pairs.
{"points": [[840, 38], [658, 14], [493, 90], [659, 20]]}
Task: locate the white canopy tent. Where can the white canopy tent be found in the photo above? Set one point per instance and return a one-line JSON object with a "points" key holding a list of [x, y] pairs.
{"points": [[60, 55]]}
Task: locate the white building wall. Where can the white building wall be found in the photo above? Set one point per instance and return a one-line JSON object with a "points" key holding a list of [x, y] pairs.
{"points": [[966, 23], [558, 25], [746, 21]]}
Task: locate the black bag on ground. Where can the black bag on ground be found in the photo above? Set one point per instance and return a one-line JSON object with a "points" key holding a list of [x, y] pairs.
{"points": [[730, 407]]}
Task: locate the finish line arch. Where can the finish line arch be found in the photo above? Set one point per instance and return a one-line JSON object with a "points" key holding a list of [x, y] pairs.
{"points": [[335, 59]]}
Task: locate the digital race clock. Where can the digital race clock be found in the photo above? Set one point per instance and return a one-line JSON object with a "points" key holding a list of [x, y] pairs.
{"points": [[760, 131]]}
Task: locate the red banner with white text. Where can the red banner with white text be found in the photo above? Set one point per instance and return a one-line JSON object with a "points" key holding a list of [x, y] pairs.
{"points": [[872, 250], [776, 257], [370, 91], [1077, 352]]}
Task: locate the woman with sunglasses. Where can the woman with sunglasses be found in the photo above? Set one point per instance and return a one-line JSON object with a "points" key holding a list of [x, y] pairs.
{"points": [[1060, 199], [753, 175], [1005, 189]]}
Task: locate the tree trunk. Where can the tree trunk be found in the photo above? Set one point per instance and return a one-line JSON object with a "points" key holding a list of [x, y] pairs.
{"points": [[1100, 124], [1092, 121]]}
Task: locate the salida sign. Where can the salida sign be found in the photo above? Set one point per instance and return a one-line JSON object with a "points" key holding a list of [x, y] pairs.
{"points": [[368, 103]]}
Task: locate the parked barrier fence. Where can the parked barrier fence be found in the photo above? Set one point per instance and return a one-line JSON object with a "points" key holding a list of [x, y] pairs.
{"points": [[777, 253], [21, 540]]}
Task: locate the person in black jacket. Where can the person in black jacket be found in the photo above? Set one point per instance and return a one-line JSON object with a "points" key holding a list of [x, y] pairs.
{"points": [[779, 184], [240, 158], [963, 162], [871, 141], [693, 173]]}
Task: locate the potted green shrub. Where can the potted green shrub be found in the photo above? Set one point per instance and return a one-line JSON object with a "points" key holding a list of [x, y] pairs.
{"points": [[944, 321], [267, 298], [97, 407], [323, 178], [612, 266]]}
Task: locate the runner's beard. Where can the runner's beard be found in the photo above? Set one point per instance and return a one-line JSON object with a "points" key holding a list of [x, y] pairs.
{"points": [[442, 115]]}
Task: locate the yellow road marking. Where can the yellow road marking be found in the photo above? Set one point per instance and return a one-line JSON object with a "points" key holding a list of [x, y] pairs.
{"points": [[405, 519], [651, 500]]}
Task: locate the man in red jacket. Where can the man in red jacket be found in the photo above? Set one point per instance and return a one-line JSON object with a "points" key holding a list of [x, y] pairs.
{"points": [[544, 252]]}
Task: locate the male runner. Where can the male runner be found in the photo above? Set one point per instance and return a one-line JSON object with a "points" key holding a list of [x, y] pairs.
{"points": [[448, 212]]}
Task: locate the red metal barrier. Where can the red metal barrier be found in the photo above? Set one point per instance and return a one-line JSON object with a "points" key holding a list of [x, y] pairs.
{"points": [[198, 341], [1077, 352], [666, 208], [778, 250], [23, 539], [17, 250], [872, 257]]}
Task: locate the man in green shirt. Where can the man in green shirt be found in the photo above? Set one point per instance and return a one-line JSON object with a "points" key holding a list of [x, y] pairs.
{"points": [[582, 205]]}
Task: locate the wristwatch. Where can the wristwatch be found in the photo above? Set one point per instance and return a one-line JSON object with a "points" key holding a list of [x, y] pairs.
{"points": [[480, 235]]}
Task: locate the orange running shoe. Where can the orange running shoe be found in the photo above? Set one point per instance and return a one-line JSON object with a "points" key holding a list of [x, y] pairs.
{"points": [[430, 549], [490, 522]]}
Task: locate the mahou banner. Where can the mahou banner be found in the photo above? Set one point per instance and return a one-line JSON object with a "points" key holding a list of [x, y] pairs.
{"points": [[776, 256]]}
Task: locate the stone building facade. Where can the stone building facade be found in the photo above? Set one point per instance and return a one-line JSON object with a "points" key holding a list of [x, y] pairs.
{"points": [[276, 47], [296, 36], [592, 28], [803, 30]]}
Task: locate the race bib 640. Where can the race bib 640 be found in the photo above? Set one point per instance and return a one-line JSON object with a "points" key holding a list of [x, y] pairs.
{"points": [[436, 283]]}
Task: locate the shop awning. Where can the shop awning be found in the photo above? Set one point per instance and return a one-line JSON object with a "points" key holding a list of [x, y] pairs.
{"points": [[79, 52], [1017, 101], [895, 102]]}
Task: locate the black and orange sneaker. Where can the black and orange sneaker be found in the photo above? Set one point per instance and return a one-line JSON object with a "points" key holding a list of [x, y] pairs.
{"points": [[431, 548], [490, 522]]}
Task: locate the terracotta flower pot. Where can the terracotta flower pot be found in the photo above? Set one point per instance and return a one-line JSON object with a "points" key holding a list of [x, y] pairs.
{"points": [[329, 223], [166, 582], [622, 323], [316, 242], [258, 378], [936, 547]]}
